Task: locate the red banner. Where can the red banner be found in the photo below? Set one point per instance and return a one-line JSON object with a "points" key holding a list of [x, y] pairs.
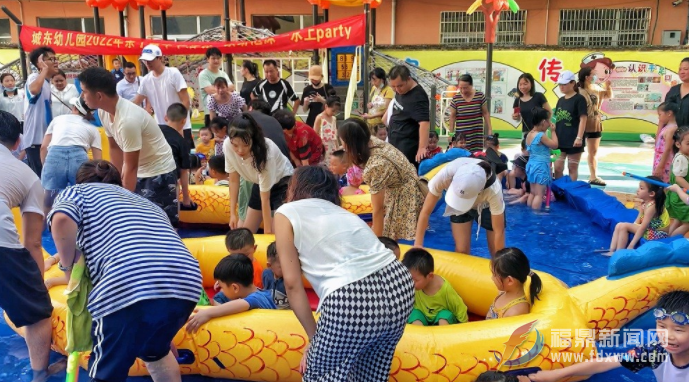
{"points": [[346, 32]]}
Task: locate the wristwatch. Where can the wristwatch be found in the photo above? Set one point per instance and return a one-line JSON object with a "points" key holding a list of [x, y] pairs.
{"points": [[64, 269]]}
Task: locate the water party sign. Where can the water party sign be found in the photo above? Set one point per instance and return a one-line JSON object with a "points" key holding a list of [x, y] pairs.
{"points": [[344, 32], [639, 81]]}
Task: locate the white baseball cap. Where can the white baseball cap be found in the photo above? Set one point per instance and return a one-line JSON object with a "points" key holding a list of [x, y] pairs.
{"points": [[466, 185], [566, 76], [80, 105], [150, 52]]}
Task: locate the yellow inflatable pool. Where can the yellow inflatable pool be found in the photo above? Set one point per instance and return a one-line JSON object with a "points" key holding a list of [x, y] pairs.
{"points": [[268, 345], [214, 205]]}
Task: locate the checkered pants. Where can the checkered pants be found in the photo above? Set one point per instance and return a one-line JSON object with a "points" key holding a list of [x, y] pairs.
{"points": [[360, 326]]}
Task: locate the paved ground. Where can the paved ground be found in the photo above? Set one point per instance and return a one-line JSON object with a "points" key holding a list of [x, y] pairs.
{"points": [[613, 159]]}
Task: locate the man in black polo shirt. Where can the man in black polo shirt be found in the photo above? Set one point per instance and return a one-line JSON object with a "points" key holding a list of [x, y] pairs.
{"points": [[410, 121], [274, 90]]}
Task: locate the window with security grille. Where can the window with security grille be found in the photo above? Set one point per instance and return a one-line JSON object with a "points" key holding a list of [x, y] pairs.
{"points": [[604, 27], [5, 35], [460, 28]]}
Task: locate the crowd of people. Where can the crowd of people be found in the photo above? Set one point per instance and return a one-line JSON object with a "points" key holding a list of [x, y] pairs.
{"points": [[290, 176]]}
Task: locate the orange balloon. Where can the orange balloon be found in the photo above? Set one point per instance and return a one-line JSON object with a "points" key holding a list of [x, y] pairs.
{"points": [[165, 4], [103, 3], [91, 3], [141, 3], [451, 90], [120, 5], [133, 4]]}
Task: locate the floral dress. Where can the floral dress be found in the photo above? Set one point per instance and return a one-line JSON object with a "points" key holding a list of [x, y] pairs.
{"points": [[229, 110], [389, 170], [329, 135]]}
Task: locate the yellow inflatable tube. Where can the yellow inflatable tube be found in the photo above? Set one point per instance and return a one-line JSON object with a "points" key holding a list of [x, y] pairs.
{"points": [[214, 204], [267, 345]]}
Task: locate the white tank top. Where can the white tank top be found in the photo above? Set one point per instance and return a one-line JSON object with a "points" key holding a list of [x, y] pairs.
{"points": [[335, 246]]}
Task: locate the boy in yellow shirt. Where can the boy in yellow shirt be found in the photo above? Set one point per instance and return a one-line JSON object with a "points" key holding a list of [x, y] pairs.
{"points": [[435, 302], [206, 144]]}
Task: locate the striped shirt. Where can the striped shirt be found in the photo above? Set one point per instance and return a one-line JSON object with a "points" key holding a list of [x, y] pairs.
{"points": [[131, 250], [469, 119]]}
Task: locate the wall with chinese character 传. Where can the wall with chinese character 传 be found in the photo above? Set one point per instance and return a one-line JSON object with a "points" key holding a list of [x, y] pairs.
{"points": [[639, 81]]}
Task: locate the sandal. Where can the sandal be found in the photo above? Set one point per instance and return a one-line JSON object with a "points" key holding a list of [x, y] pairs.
{"points": [[598, 182]]}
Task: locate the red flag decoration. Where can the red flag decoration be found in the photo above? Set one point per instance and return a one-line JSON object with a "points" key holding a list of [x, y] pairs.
{"points": [[346, 32]]}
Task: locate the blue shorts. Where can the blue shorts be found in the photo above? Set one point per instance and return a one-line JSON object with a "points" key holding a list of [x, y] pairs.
{"points": [[142, 330], [61, 165]]}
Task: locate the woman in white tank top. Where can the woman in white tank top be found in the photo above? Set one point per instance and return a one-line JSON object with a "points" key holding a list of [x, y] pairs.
{"points": [[366, 294]]}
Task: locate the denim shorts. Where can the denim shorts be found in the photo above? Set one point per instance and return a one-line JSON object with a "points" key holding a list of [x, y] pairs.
{"points": [[61, 165]]}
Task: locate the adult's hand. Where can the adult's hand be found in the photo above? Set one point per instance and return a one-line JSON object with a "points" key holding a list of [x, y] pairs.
{"points": [[302, 364], [420, 154]]}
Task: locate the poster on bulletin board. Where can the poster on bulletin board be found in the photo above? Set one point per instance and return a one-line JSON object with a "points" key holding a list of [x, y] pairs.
{"points": [[341, 62]]}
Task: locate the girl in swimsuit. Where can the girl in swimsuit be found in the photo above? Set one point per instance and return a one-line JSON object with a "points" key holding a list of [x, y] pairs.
{"points": [[510, 268]]}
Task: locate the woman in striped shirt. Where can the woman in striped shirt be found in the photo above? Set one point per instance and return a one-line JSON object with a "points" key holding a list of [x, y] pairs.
{"points": [[469, 113], [145, 281]]}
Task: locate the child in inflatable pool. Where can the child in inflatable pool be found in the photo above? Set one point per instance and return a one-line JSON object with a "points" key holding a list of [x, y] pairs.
{"points": [[350, 177], [668, 359], [539, 145], [510, 268], [234, 274], [391, 245], [679, 174], [206, 145], [381, 132], [241, 241], [435, 302], [272, 278], [216, 170], [433, 149], [652, 223], [219, 126]]}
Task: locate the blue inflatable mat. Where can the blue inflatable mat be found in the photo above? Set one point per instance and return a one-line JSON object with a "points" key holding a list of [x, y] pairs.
{"points": [[651, 255], [605, 210], [429, 164]]}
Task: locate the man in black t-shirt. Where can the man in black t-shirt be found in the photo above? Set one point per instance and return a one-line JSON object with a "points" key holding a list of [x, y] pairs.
{"points": [[314, 96], [274, 90], [176, 118], [410, 121]]}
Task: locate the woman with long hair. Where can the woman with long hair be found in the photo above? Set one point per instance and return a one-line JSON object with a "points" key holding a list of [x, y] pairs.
{"points": [[380, 95], [396, 195], [251, 79], [366, 295], [249, 154]]}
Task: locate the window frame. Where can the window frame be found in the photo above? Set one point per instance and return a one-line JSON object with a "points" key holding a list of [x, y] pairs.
{"points": [[181, 37], [478, 36], [82, 19], [587, 37]]}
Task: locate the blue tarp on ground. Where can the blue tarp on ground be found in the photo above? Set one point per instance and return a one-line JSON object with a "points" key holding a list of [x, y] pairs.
{"points": [[606, 211]]}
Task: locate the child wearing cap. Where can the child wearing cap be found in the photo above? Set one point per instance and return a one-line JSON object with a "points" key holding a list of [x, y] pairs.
{"points": [[571, 115], [473, 194], [65, 147], [162, 87]]}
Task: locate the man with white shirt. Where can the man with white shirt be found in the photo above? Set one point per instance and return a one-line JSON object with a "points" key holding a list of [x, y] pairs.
{"points": [[137, 145], [129, 88], [24, 297], [162, 87], [473, 194], [37, 104]]}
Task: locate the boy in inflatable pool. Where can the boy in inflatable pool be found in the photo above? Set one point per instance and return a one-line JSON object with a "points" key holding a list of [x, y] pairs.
{"points": [[240, 241], [669, 359], [216, 170], [272, 278], [235, 275], [435, 302]]}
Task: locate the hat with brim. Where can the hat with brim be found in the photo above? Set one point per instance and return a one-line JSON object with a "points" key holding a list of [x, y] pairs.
{"points": [[80, 105], [521, 162], [150, 53], [316, 73], [467, 184], [565, 77]]}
